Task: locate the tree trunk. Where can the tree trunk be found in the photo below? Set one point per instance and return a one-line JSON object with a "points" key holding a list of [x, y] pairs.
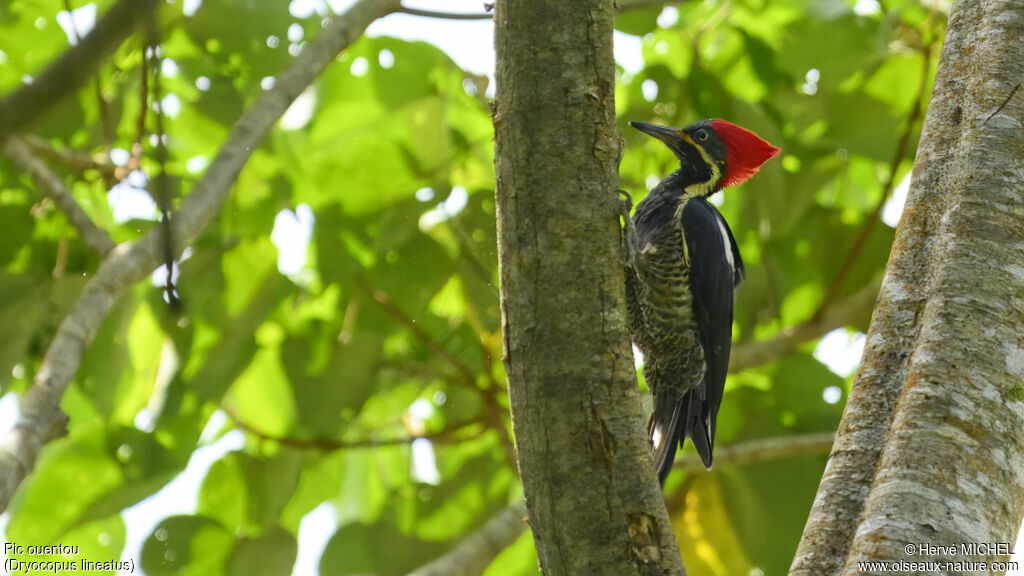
{"points": [[931, 446], [594, 504]]}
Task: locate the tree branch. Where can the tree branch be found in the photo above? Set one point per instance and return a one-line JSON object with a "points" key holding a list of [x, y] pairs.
{"points": [[447, 435], [48, 182], [762, 450], [629, 5], [855, 308], [72, 68], [472, 555], [41, 418], [76, 160], [384, 301], [492, 410]]}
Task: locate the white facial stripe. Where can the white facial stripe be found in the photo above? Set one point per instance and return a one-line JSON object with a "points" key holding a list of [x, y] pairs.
{"points": [[703, 188]]}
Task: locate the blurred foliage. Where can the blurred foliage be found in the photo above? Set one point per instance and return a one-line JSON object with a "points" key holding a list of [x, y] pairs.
{"points": [[304, 388]]}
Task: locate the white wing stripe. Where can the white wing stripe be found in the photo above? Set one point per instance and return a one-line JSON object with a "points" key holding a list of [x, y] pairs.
{"points": [[725, 241]]}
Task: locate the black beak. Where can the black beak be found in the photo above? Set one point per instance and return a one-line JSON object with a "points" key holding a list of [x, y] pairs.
{"points": [[663, 133]]}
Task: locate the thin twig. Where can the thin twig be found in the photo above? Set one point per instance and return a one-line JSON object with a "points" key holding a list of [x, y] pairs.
{"points": [[761, 450], [108, 137], [448, 435], [105, 123], [465, 373], [105, 126], [872, 220], [61, 262], [162, 192], [446, 15], [492, 409], [48, 182], [76, 160], [140, 124], [72, 68], [629, 5]]}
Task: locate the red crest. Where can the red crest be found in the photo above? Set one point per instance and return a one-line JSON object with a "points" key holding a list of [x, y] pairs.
{"points": [[745, 152]]}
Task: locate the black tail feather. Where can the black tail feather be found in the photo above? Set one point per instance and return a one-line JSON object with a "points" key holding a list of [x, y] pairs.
{"points": [[700, 433], [664, 429], [689, 419]]}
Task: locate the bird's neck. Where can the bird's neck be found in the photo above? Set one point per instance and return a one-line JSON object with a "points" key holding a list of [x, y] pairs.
{"points": [[698, 178], [680, 186], [688, 182]]}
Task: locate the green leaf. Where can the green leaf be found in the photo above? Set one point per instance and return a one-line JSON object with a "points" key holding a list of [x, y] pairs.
{"points": [[271, 483], [106, 364], [224, 493], [244, 47], [320, 480], [328, 398], [21, 312], [413, 273], [250, 260], [99, 544], [146, 466], [228, 359], [272, 554], [751, 498], [356, 549], [361, 497], [470, 495], [186, 546], [519, 559], [638, 22], [837, 47], [261, 395], [15, 219], [69, 475]]}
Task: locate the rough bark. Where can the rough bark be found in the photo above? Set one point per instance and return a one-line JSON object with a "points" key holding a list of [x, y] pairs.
{"points": [[930, 446], [594, 504]]}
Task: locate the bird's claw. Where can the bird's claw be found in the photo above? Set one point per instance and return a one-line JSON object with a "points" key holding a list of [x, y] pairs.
{"points": [[628, 229]]}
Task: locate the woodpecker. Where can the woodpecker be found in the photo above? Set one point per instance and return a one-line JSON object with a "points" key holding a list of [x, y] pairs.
{"points": [[683, 270]]}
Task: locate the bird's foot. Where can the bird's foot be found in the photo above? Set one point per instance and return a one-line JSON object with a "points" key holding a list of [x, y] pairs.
{"points": [[628, 229]]}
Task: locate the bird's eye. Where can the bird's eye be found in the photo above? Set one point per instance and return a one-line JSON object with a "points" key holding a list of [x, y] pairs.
{"points": [[702, 135]]}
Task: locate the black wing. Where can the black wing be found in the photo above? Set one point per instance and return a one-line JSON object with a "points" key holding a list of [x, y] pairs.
{"points": [[715, 271]]}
